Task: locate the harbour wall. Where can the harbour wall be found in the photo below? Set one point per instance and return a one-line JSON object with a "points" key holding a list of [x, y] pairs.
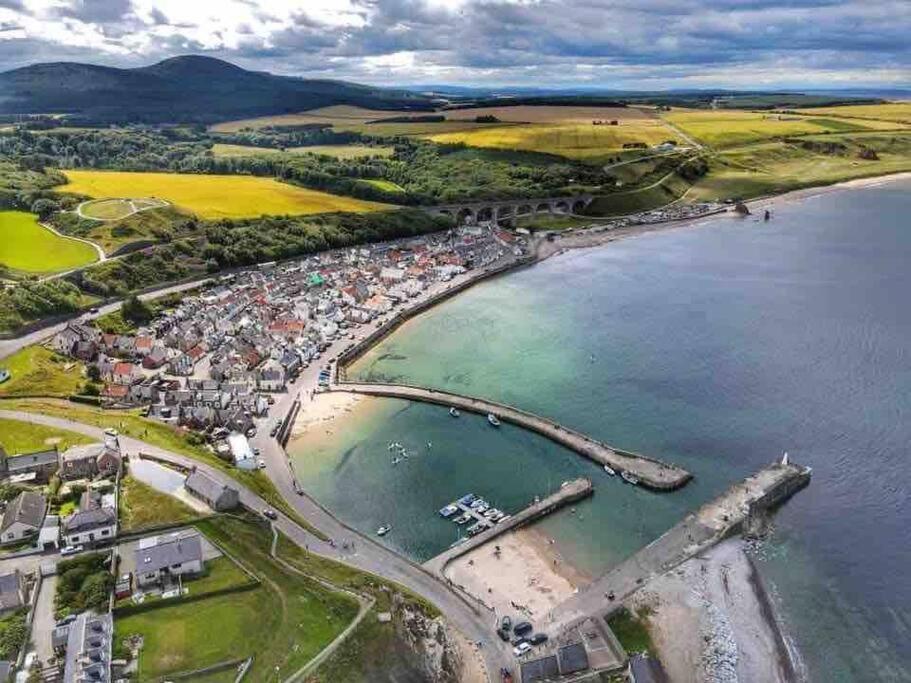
{"points": [[570, 492], [652, 473]]}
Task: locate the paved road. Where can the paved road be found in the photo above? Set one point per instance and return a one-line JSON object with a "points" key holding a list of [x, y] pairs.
{"points": [[11, 346], [43, 625], [473, 622]]}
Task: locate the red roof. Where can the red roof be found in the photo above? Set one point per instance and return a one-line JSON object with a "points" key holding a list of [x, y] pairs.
{"points": [[115, 390], [123, 368]]}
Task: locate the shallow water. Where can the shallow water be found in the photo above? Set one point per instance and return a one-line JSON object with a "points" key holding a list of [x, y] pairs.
{"points": [[717, 348]]}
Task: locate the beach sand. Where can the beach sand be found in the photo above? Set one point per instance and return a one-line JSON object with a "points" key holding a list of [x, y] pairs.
{"points": [[318, 415], [524, 582], [711, 620]]}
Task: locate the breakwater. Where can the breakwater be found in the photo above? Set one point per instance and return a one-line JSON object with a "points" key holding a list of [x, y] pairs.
{"points": [[570, 492], [720, 518], [651, 473]]}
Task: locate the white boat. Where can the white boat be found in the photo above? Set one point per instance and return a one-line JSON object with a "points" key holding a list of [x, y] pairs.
{"points": [[453, 412], [493, 420], [383, 530], [610, 470], [629, 478], [396, 461], [482, 508], [464, 519], [449, 511]]}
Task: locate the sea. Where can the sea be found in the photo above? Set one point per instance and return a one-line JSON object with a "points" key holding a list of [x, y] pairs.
{"points": [[717, 346]]}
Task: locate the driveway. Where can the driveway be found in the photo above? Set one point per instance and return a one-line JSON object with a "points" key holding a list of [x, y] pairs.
{"points": [[43, 625]]}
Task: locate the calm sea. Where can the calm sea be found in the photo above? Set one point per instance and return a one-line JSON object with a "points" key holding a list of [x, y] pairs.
{"points": [[716, 347]]}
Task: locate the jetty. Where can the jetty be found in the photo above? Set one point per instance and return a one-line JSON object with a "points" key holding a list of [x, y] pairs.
{"points": [[651, 472], [740, 508], [569, 492]]}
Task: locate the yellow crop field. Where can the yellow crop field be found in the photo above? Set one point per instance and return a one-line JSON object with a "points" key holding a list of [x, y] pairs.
{"points": [[337, 151], [214, 196], [729, 127], [576, 141], [895, 112], [527, 113]]}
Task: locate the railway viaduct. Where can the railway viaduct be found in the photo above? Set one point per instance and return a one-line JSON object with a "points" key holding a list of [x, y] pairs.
{"points": [[509, 210]]}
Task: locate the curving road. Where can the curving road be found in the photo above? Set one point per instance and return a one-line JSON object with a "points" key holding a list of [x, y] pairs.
{"points": [[474, 622]]}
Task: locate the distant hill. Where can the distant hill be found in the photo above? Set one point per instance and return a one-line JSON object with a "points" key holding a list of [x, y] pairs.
{"points": [[181, 89]]}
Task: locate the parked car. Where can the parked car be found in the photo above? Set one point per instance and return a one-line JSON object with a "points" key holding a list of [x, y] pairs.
{"points": [[521, 649], [522, 628], [270, 514], [71, 550], [538, 638], [68, 619], [251, 432], [255, 451], [506, 623], [504, 635]]}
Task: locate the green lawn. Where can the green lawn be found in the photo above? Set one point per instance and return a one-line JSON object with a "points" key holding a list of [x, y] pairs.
{"points": [[142, 506], [385, 185], [285, 622], [27, 247], [36, 371], [631, 631], [24, 437], [156, 433]]}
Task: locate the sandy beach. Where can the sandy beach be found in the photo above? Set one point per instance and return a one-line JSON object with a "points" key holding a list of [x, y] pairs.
{"points": [[318, 415], [711, 620], [525, 579]]}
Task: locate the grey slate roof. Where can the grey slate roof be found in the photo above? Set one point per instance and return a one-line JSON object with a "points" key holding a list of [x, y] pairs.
{"points": [[28, 507], [10, 597], [88, 649], [28, 460], [204, 486], [172, 549]]}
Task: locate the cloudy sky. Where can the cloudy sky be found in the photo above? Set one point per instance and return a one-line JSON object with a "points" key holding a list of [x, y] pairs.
{"points": [[604, 43]]}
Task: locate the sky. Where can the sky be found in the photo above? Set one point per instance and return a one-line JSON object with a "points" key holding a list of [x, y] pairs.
{"points": [[619, 44]]}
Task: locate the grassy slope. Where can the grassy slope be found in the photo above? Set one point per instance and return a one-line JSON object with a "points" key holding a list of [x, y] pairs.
{"points": [[140, 226], [631, 632], [27, 247], [36, 371], [284, 622], [25, 437], [142, 506], [385, 185], [107, 209], [214, 196], [132, 424]]}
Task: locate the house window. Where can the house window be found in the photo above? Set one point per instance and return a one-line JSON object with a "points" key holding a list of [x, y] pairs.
{"points": [[105, 532]]}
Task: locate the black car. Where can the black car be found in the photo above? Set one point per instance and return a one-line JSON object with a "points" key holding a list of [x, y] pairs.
{"points": [[522, 628], [518, 640], [538, 638], [270, 514], [504, 635]]}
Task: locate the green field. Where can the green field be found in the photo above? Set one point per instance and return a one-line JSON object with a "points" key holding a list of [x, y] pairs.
{"points": [[29, 248], [895, 112], [730, 127], [337, 151], [214, 196], [152, 225], [36, 371], [116, 209], [284, 622], [774, 167], [576, 141], [24, 437], [142, 506]]}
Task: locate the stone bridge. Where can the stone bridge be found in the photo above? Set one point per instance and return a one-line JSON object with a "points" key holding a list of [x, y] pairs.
{"points": [[510, 209]]}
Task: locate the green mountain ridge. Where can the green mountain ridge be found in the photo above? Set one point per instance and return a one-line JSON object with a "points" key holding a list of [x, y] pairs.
{"points": [[188, 88]]}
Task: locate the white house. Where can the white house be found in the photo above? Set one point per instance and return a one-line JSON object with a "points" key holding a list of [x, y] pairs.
{"points": [[92, 523], [161, 558], [23, 518], [241, 452], [271, 377]]}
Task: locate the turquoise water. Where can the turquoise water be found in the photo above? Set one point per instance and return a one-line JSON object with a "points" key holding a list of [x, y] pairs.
{"points": [[717, 348]]}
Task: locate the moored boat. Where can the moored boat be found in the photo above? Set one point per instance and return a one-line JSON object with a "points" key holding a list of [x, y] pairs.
{"points": [[383, 530], [493, 420], [610, 470], [448, 511], [629, 478], [453, 412]]}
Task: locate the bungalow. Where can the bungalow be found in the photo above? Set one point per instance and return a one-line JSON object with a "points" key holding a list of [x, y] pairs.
{"points": [[23, 517], [91, 523], [160, 558], [219, 497]]}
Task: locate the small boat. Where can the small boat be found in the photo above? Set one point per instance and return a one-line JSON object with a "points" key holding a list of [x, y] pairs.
{"points": [[396, 461], [448, 511], [464, 519], [477, 503], [629, 478], [430, 444], [610, 470], [493, 420], [482, 508], [383, 530], [467, 499], [453, 412]]}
